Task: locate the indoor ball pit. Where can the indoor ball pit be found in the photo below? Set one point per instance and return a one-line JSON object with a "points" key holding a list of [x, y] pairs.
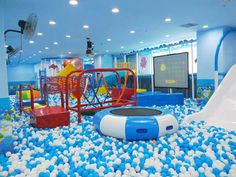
{"points": [[79, 150], [135, 123]]}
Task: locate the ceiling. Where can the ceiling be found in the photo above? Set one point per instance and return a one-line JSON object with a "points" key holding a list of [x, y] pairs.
{"points": [[146, 17]]}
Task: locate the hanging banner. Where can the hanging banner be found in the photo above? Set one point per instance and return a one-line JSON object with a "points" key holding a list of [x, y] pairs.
{"points": [[144, 62]]}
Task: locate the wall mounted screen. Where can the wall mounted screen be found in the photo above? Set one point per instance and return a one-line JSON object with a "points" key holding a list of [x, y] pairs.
{"points": [[171, 70]]}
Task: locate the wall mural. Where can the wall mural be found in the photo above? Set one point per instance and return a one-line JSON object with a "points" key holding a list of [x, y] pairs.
{"points": [[144, 61]]}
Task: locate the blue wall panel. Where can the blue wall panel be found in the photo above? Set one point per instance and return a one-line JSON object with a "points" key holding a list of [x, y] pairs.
{"points": [[21, 73]]}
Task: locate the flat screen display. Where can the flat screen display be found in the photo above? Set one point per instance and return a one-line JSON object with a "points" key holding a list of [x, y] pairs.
{"points": [[171, 70]]}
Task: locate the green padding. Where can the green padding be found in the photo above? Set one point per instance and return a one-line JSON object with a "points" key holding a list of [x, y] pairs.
{"points": [[24, 96]]}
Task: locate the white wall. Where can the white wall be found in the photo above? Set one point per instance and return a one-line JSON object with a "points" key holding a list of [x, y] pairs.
{"points": [[207, 42], [229, 53], [103, 61]]}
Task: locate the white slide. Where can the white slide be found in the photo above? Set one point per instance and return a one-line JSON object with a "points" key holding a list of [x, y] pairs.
{"points": [[220, 111]]}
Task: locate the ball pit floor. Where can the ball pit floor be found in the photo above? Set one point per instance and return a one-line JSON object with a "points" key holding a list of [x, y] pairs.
{"points": [[78, 150]]}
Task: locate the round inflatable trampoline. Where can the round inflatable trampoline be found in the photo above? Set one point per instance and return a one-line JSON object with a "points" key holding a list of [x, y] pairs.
{"points": [[135, 123]]}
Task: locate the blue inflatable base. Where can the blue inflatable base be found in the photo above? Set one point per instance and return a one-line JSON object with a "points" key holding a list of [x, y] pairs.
{"points": [[159, 99]]}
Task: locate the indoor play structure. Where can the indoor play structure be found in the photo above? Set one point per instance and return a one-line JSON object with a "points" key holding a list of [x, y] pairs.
{"points": [[41, 114], [220, 109], [26, 104], [49, 116], [86, 85], [69, 66], [135, 123], [26, 94]]}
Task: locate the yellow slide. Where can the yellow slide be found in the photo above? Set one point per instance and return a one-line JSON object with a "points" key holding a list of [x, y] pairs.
{"points": [[64, 72], [67, 70]]}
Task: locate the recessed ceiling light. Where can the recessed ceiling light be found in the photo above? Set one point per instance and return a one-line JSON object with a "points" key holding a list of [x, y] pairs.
{"points": [[205, 26], [132, 32], [168, 19], [55, 43], [31, 42], [69, 52], [21, 51], [52, 22], [73, 2], [40, 51], [85, 26], [115, 10], [167, 35], [109, 39], [46, 48], [5, 46], [141, 42], [107, 51], [34, 54], [121, 47], [68, 36], [39, 34]]}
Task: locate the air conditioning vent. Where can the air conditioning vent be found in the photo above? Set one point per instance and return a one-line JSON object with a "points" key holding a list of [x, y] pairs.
{"points": [[189, 25]]}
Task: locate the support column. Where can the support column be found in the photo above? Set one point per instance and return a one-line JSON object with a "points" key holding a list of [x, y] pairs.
{"points": [[6, 143]]}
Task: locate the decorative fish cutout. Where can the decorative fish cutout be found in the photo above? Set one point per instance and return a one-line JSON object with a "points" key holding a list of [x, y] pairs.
{"points": [[53, 66]]}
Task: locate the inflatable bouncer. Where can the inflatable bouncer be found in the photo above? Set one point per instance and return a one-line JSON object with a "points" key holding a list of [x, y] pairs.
{"points": [[135, 123]]}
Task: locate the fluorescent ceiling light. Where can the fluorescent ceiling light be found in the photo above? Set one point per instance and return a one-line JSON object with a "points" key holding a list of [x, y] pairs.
{"points": [[46, 48], [40, 51], [39, 34], [168, 19], [73, 2], [55, 43], [167, 35], [109, 39], [68, 36], [141, 42], [52, 22], [107, 51], [132, 32], [205, 26], [31, 42], [115, 10], [121, 47], [85, 26]]}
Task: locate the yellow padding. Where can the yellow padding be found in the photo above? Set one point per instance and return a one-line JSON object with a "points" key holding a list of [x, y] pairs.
{"points": [[141, 90], [67, 70], [102, 90], [36, 105]]}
